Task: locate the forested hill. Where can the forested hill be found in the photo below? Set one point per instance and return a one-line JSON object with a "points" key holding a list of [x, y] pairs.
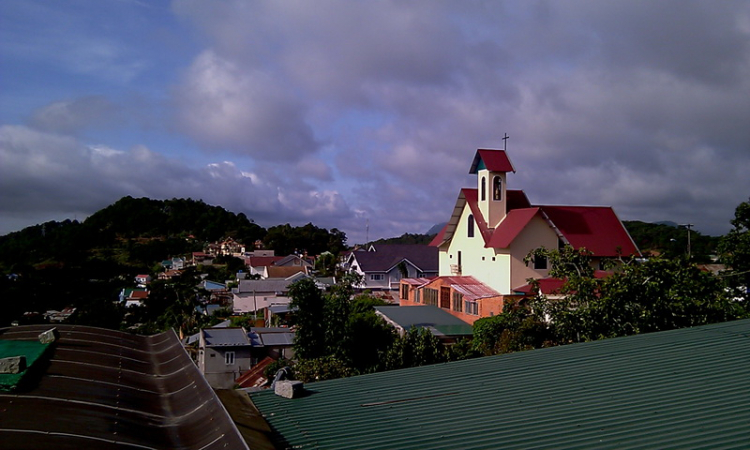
{"points": [[141, 231], [671, 240]]}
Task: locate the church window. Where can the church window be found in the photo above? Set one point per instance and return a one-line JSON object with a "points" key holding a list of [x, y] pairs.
{"points": [[470, 231], [484, 189]]}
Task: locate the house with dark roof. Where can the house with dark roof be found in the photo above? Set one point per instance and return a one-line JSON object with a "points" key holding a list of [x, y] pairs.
{"points": [[677, 389], [382, 266], [492, 229], [224, 354]]}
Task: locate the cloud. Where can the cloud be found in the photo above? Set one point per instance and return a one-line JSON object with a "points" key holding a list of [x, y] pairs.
{"points": [[223, 106], [46, 175], [72, 116], [316, 110]]}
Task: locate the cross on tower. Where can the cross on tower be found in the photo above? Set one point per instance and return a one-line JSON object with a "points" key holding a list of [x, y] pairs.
{"points": [[505, 141]]}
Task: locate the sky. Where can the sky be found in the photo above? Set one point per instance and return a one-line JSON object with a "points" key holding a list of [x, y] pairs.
{"points": [[365, 115]]}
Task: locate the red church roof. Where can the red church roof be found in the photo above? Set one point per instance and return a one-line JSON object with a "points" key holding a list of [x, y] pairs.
{"points": [[511, 226], [494, 160], [595, 228]]}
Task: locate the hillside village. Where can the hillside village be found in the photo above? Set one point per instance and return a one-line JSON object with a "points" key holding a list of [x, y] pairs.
{"points": [[503, 275]]}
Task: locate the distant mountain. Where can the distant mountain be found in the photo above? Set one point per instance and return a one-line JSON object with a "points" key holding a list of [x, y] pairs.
{"points": [[436, 228]]}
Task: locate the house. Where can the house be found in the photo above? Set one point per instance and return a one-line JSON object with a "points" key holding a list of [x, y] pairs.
{"points": [[133, 296], [492, 229], [276, 342], [202, 259], [284, 271], [443, 325], [142, 280], [173, 264], [95, 388], [294, 261], [257, 295], [169, 274], [675, 389], [464, 297], [224, 354], [382, 266], [258, 264]]}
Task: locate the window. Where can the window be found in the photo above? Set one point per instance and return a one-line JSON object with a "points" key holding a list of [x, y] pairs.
{"points": [[458, 301], [470, 231], [430, 297], [445, 297], [540, 262], [484, 189], [376, 277], [471, 308], [497, 188], [229, 358], [405, 291], [417, 296]]}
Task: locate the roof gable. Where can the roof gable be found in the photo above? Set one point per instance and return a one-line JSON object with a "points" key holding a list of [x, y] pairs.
{"points": [[511, 226], [492, 160]]}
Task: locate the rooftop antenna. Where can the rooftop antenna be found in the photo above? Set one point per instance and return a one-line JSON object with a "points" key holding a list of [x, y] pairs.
{"points": [[505, 141]]}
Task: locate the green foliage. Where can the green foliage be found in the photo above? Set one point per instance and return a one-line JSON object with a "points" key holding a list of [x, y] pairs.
{"points": [[671, 241], [406, 238], [323, 368], [654, 295], [332, 324], [326, 264], [735, 253], [418, 347], [310, 334], [286, 240], [519, 327]]}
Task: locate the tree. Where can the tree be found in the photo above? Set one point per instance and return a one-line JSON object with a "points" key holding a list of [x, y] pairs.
{"points": [[418, 347], [734, 249], [517, 328], [308, 318], [654, 295]]}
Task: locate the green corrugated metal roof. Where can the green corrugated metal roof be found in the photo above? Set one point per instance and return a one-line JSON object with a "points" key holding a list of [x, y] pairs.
{"points": [[32, 350], [680, 389]]}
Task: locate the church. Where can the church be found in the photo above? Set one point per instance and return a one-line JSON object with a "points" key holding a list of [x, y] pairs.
{"points": [[490, 232]]}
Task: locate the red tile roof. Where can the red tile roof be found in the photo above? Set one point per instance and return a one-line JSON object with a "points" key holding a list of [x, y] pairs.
{"points": [[494, 160], [551, 286], [511, 226], [262, 261], [595, 228]]}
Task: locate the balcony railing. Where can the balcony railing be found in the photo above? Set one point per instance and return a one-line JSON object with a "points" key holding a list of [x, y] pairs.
{"points": [[456, 269]]}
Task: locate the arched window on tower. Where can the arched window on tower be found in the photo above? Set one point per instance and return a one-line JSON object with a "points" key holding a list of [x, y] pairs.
{"points": [[484, 189], [470, 228], [497, 188]]}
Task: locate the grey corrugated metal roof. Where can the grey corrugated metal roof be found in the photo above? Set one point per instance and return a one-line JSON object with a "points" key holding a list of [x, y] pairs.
{"points": [[259, 286], [225, 337], [677, 389], [105, 389], [426, 316], [277, 339]]}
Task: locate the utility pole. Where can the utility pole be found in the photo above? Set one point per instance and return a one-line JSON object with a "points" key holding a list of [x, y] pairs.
{"points": [[688, 226]]}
